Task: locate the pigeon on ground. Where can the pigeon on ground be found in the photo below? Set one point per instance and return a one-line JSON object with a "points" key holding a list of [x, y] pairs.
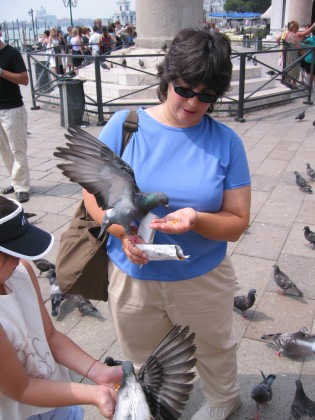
{"points": [[302, 183], [271, 72], [43, 265], [160, 389], [301, 116], [310, 172], [284, 282], [124, 62], [309, 235], [285, 342], [101, 172], [141, 63], [303, 408], [314, 123], [262, 393], [84, 306], [164, 48], [244, 302], [29, 215], [304, 346], [105, 66], [255, 60]]}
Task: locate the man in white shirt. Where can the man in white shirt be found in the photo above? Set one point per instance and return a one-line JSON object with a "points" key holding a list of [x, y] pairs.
{"points": [[94, 41]]}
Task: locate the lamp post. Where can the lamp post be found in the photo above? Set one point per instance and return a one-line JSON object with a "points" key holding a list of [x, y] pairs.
{"points": [[30, 12], [70, 3]]}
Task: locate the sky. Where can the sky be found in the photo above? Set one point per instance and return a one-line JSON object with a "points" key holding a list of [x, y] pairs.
{"points": [[18, 9]]}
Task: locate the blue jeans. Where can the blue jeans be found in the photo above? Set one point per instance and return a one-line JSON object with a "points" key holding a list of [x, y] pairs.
{"points": [[74, 412]]}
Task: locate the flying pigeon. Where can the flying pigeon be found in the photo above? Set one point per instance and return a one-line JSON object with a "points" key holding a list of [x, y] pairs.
{"points": [[43, 265], [301, 116], [310, 172], [124, 62], [141, 63], [302, 407], [160, 389], [302, 183], [309, 235], [244, 302], [284, 282], [262, 393], [286, 341], [271, 72], [101, 172]]}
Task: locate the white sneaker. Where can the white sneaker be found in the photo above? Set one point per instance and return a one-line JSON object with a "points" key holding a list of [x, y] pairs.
{"points": [[216, 413]]}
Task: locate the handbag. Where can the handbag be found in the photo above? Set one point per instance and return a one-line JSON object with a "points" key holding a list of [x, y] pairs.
{"points": [[82, 261]]}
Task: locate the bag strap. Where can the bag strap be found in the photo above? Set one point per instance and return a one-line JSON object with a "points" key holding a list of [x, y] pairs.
{"points": [[130, 126]]}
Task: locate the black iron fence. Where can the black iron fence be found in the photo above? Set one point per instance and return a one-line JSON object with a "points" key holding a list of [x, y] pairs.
{"points": [[44, 81]]}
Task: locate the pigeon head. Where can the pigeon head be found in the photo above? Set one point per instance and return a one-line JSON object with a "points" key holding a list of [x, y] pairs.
{"points": [[296, 173], [308, 165], [306, 229], [252, 292], [276, 267], [128, 369], [156, 199], [304, 332]]}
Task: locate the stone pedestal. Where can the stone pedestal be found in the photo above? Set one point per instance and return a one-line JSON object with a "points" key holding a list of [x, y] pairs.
{"points": [[301, 11], [159, 21]]}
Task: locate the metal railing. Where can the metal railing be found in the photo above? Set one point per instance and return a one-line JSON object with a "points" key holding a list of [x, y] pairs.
{"points": [[237, 104]]}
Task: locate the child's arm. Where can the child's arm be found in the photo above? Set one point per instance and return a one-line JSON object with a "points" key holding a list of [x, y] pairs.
{"points": [[69, 354], [16, 384]]}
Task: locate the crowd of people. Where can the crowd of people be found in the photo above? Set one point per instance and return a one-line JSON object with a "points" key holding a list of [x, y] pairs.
{"points": [[289, 39], [80, 41]]}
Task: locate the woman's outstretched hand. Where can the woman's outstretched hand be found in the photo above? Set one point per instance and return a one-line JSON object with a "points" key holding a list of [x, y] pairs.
{"points": [[179, 221]]}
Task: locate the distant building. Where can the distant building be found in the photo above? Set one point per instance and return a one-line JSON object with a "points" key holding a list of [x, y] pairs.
{"points": [[213, 6], [123, 13]]}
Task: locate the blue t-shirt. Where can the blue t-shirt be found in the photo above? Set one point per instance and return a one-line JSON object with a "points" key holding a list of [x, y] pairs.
{"points": [[193, 166]]}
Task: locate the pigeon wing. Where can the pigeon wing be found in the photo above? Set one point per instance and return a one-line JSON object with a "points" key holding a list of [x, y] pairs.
{"points": [[165, 376], [98, 169]]}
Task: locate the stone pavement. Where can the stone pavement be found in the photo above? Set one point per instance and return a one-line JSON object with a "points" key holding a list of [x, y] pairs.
{"points": [[276, 145]]}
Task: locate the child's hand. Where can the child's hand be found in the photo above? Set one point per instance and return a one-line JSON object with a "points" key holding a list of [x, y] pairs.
{"points": [[179, 221], [103, 374], [106, 400]]}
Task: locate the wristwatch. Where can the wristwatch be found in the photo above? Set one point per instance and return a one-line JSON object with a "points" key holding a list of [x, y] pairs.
{"points": [[1, 71]]}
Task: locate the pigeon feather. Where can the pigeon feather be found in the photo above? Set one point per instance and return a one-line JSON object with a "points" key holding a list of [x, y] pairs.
{"points": [[300, 116], [161, 388], [245, 302], [302, 183], [310, 172], [262, 393], [104, 174]]}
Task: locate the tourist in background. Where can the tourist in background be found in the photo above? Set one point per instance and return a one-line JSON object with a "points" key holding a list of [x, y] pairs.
{"points": [[94, 41], [77, 48], [54, 50], [201, 165], [105, 42], [307, 62], [13, 121]]}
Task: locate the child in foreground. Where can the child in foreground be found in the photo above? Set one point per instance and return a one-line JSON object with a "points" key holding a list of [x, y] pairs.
{"points": [[34, 356]]}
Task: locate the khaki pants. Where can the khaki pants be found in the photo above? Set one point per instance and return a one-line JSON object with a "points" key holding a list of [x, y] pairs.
{"points": [[144, 311], [13, 146]]}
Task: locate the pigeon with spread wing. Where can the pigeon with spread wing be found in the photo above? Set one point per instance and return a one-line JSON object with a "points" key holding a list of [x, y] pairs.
{"points": [[286, 342], [161, 388], [104, 174]]}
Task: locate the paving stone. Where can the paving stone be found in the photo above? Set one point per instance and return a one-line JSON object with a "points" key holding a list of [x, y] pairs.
{"points": [[257, 201], [288, 145], [307, 214], [286, 194], [279, 213], [276, 313], [263, 241], [274, 166], [65, 190], [296, 244], [281, 154], [263, 182]]}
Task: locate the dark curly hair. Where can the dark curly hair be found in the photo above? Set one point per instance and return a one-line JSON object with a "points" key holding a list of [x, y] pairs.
{"points": [[196, 57]]}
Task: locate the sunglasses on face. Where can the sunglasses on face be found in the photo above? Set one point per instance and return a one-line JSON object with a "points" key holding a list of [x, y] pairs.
{"points": [[188, 93]]}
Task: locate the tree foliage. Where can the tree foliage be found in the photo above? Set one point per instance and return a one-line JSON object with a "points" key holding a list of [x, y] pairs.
{"points": [[257, 6]]}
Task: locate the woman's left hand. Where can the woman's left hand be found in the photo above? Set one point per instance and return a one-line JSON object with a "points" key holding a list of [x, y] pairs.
{"points": [[179, 221]]}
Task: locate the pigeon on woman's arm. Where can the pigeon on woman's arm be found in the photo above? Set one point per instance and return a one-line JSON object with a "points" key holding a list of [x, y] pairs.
{"points": [[161, 388], [104, 174]]}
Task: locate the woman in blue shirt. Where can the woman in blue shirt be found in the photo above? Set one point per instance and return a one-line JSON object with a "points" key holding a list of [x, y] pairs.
{"points": [[201, 165], [308, 59]]}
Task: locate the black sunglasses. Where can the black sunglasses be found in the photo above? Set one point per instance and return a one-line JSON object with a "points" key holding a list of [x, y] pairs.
{"points": [[188, 93]]}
